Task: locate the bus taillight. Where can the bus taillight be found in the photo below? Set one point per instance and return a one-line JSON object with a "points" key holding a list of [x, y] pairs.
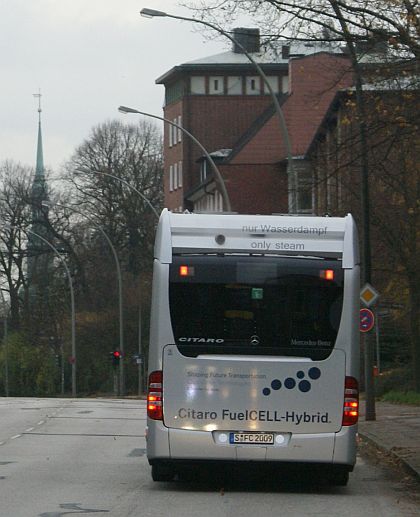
{"points": [[351, 402], [154, 396]]}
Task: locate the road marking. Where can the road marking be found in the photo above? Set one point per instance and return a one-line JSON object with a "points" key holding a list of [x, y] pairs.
{"points": [[91, 434], [2, 443], [40, 423], [16, 436], [29, 430]]}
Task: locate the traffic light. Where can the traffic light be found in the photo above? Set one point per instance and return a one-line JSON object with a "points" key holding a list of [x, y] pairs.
{"points": [[116, 356]]}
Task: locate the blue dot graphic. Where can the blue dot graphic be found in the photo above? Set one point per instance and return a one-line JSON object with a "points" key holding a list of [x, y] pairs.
{"points": [[304, 386], [290, 383], [314, 373], [266, 391], [276, 384], [300, 375]]}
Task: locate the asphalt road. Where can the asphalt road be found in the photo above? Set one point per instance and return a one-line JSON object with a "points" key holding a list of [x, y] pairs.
{"points": [[62, 457]]}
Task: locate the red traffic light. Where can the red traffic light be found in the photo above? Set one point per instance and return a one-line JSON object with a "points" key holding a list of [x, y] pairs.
{"points": [[116, 357]]}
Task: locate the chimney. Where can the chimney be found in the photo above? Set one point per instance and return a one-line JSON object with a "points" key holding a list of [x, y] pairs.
{"points": [[248, 38]]}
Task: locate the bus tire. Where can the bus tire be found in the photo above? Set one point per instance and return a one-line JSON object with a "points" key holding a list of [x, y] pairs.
{"points": [[162, 473], [339, 477]]}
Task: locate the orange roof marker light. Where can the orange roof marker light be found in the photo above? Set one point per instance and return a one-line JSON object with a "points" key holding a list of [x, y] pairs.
{"points": [[186, 271], [327, 274]]}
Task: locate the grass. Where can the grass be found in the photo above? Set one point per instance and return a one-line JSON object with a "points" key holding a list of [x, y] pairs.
{"points": [[400, 397]]}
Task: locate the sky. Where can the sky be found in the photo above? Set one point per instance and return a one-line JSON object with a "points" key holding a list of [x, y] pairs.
{"points": [[87, 57]]}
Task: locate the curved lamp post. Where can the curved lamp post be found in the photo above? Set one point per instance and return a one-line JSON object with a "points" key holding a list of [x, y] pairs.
{"points": [[88, 171], [219, 178], [81, 171], [151, 13], [6, 345], [119, 279], [73, 312]]}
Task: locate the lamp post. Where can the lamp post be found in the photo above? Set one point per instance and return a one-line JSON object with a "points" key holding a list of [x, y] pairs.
{"points": [[73, 312], [152, 13], [119, 279], [81, 171], [219, 177], [6, 345], [88, 171]]}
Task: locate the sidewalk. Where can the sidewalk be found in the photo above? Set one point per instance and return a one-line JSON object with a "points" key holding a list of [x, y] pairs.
{"points": [[396, 431]]}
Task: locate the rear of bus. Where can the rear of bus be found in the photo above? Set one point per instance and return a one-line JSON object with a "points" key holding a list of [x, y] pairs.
{"points": [[254, 343]]}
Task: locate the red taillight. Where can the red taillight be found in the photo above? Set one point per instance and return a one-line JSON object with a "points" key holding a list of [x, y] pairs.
{"points": [[154, 396], [351, 402]]}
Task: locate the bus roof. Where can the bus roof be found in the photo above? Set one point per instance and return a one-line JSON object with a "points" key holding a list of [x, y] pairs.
{"points": [[333, 237]]}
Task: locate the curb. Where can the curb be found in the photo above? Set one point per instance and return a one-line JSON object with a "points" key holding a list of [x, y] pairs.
{"points": [[383, 448]]}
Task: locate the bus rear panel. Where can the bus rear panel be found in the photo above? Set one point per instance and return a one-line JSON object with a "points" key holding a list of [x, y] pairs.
{"points": [[254, 343]]}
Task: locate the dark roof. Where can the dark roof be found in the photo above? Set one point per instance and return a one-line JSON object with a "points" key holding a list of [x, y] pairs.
{"points": [[253, 129], [216, 68]]}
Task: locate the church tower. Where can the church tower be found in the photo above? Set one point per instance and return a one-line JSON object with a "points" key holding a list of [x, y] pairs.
{"points": [[39, 254]]}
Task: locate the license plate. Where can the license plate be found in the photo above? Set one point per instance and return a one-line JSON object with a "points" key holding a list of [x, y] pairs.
{"points": [[252, 438]]}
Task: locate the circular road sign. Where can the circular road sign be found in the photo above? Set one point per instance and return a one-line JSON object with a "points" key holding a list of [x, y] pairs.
{"points": [[367, 320]]}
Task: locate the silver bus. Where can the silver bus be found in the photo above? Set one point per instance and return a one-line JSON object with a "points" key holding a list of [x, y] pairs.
{"points": [[254, 343]]}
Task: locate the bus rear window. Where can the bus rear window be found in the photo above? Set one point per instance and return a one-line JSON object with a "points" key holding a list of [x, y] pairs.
{"points": [[255, 305]]}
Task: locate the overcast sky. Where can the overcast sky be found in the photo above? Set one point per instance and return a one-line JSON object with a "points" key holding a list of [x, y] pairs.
{"points": [[87, 57]]}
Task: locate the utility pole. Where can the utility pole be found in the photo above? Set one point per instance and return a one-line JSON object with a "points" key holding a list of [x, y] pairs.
{"points": [[6, 362]]}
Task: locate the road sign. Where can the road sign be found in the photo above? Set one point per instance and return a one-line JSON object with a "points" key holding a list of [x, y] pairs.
{"points": [[367, 320], [368, 295]]}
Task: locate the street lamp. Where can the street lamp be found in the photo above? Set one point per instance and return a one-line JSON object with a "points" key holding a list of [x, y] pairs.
{"points": [[152, 13], [219, 178], [6, 345], [87, 171], [119, 277], [73, 312], [121, 180]]}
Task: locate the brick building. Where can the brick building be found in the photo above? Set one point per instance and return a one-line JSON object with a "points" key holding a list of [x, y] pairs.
{"points": [[224, 103]]}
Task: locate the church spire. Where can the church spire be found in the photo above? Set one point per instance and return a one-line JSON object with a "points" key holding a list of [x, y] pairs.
{"points": [[39, 171], [39, 257]]}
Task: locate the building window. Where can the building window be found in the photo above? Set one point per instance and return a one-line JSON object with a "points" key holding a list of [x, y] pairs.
{"points": [[179, 130], [234, 85], [175, 180], [203, 170], [252, 85], [285, 84], [216, 85], [218, 202], [170, 134], [180, 174], [304, 197], [174, 132], [198, 85], [274, 83], [171, 178]]}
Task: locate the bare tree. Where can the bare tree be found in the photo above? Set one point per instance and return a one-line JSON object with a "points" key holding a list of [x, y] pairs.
{"points": [[132, 153], [15, 214], [390, 30]]}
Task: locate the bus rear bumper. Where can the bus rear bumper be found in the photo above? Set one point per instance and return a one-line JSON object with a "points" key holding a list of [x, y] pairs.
{"points": [[179, 445]]}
